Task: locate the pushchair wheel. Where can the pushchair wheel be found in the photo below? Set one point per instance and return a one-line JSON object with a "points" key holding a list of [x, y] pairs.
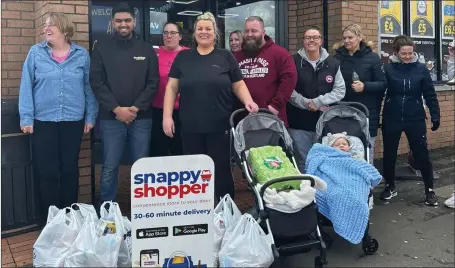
{"points": [[370, 246], [319, 262]]}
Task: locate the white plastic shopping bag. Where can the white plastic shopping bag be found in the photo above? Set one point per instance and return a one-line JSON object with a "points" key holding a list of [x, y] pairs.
{"points": [[53, 211], [248, 246], [98, 242], [57, 237], [85, 211], [124, 255], [226, 215]]}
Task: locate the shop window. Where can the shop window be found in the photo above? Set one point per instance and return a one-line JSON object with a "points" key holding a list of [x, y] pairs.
{"points": [[417, 19], [182, 12], [232, 15], [447, 37], [101, 19]]}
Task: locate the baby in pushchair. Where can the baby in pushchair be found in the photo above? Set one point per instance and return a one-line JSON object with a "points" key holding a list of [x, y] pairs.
{"points": [[264, 152], [349, 181], [342, 142]]}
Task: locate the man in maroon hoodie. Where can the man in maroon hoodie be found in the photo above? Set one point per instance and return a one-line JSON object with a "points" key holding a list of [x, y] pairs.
{"points": [[268, 69]]}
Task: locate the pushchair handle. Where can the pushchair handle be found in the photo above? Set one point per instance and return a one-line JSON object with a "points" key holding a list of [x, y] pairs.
{"points": [[357, 105], [302, 177], [243, 110]]}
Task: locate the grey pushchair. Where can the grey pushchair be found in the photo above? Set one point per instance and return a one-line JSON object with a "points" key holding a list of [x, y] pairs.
{"points": [[261, 129], [352, 118]]}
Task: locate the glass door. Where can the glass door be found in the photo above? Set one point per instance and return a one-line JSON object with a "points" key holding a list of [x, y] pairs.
{"points": [[231, 16], [101, 19], [182, 12]]}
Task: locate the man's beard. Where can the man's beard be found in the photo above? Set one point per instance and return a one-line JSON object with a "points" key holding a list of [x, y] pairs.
{"points": [[125, 35], [252, 48]]}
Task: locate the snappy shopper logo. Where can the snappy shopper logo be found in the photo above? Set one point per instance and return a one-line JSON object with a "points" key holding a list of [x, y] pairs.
{"points": [[172, 184]]}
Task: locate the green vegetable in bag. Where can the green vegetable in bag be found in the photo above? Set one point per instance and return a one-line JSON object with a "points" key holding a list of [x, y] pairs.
{"points": [[271, 162]]}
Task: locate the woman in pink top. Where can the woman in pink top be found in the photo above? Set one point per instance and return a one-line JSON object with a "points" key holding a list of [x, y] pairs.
{"points": [[161, 144]]}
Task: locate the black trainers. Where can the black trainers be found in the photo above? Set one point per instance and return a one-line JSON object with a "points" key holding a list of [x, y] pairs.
{"points": [[431, 199], [388, 192]]}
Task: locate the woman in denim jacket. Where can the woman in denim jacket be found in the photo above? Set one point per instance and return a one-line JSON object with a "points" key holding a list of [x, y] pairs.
{"points": [[56, 106]]}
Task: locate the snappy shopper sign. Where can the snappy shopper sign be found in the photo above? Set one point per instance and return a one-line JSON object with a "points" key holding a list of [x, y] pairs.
{"points": [[172, 200]]}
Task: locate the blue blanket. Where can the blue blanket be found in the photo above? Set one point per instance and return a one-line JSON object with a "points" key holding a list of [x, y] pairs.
{"points": [[349, 180]]}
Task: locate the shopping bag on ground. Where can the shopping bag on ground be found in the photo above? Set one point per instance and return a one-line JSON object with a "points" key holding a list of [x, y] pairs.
{"points": [[57, 237], [248, 246], [124, 255], [226, 215], [85, 211], [53, 211], [98, 242]]}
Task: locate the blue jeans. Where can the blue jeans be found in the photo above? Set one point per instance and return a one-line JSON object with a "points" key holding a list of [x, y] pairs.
{"points": [[114, 136]]}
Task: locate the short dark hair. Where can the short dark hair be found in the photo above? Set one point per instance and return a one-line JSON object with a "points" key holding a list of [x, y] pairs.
{"points": [[256, 18], [312, 27], [122, 7], [179, 28], [401, 41]]}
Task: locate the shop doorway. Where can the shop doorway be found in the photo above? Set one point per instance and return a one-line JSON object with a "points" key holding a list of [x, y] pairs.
{"points": [[150, 18]]}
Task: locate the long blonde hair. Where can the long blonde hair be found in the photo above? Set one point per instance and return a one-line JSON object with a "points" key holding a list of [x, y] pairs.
{"points": [[207, 16], [356, 30]]}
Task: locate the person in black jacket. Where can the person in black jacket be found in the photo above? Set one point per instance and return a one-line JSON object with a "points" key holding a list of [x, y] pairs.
{"points": [[320, 83], [357, 56], [403, 110], [124, 77]]}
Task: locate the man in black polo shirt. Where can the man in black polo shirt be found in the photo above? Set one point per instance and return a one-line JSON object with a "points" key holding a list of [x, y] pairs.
{"points": [[124, 77], [319, 84]]}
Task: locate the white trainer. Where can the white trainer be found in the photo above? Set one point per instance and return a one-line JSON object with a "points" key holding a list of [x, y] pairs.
{"points": [[450, 202]]}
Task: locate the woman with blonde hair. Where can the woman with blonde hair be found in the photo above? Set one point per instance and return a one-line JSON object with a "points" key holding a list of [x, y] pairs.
{"points": [[56, 106], [206, 78], [236, 40], [363, 75]]}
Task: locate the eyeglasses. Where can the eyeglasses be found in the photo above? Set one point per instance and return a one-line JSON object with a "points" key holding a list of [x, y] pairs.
{"points": [[311, 38], [172, 33]]}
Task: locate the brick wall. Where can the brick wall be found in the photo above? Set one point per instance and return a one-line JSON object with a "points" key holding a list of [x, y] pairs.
{"points": [[342, 13], [22, 26], [302, 13], [18, 34], [443, 137]]}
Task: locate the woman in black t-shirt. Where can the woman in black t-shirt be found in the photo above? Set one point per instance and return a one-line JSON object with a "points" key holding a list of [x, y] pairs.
{"points": [[206, 77]]}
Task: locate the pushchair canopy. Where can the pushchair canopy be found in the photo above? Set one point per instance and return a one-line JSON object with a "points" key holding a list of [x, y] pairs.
{"points": [[347, 115], [259, 129]]}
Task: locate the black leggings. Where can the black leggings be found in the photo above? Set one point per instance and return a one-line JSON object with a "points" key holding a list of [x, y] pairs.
{"points": [[55, 152], [217, 146], [416, 134], [162, 145]]}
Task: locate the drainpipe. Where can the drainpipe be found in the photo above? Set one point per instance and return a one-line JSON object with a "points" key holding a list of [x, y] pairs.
{"points": [[325, 23], [379, 29]]}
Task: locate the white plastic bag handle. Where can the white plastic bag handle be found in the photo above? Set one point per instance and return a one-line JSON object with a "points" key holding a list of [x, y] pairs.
{"points": [[86, 211], [229, 208], [115, 214], [52, 212]]}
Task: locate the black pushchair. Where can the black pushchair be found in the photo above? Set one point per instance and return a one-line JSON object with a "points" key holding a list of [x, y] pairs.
{"points": [[261, 129], [352, 118]]}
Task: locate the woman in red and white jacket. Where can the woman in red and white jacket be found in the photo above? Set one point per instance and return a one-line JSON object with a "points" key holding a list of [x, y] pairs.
{"points": [[161, 144]]}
